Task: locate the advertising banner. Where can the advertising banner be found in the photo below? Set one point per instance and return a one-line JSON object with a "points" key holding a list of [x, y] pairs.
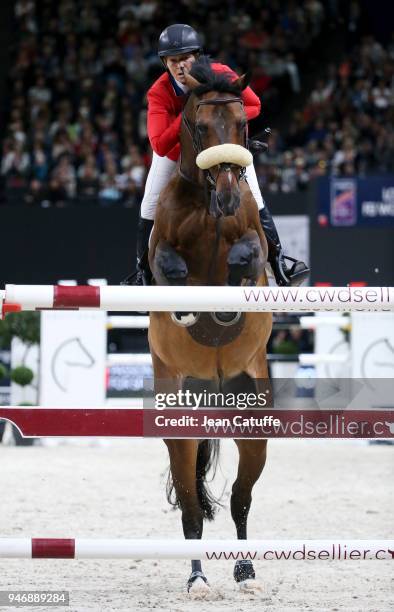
{"points": [[349, 202]]}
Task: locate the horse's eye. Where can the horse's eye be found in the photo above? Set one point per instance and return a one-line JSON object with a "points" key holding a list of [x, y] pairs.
{"points": [[202, 127]]}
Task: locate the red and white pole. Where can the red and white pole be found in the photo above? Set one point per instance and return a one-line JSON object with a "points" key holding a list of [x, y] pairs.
{"points": [[266, 550], [198, 299]]}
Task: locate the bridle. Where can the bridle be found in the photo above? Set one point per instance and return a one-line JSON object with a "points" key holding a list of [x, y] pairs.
{"points": [[211, 180], [197, 144]]}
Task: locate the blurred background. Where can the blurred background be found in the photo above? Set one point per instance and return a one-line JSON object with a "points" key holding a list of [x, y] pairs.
{"points": [[75, 154]]}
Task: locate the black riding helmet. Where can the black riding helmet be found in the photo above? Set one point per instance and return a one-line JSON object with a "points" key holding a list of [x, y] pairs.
{"points": [[177, 39]]}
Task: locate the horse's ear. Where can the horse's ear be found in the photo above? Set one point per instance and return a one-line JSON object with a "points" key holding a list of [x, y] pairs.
{"points": [[243, 81], [191, 82]]}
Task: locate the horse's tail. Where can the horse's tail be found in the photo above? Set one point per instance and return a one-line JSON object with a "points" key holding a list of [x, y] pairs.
{"points": [[207, 459]]}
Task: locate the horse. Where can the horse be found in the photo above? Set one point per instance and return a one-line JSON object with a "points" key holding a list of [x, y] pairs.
{"points": [[207, 232]]}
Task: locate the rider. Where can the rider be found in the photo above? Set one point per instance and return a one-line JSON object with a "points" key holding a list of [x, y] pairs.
{"points": [[179, 47]]}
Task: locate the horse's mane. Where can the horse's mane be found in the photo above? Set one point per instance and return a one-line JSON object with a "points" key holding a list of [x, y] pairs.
{"points": [[210, 80]]}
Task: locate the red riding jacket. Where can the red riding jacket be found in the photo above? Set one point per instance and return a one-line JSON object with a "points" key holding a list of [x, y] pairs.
{"points": [[165, 113]]}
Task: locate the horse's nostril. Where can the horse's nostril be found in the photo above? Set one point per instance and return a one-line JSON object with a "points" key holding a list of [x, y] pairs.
{"points": [[227, 202]]}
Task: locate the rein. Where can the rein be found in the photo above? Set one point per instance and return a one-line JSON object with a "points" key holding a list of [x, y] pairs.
{"points": [[214, 258]]}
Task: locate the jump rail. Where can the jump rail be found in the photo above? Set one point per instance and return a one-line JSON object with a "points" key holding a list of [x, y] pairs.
{"points": [[199, 299], [79, 548], [38, 422]]}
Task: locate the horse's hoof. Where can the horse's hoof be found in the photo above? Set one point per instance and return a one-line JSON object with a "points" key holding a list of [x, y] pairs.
{"points": [[198, 585], [243, 570], [250, 586]]}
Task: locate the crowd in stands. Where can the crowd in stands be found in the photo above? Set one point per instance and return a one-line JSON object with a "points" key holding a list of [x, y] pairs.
{"points": [[346, 127], [76, 126]]}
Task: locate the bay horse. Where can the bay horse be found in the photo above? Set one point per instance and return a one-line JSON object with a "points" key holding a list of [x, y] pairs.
{"points": [[207, 232]]}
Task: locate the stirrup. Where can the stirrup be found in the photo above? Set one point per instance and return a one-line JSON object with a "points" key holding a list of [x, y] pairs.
{"points": [[129, 279], [135, 278], [138, 278], [293, 276]]}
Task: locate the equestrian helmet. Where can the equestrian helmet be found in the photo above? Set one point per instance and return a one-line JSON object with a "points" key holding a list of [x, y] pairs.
{"points": [[177, 39]]}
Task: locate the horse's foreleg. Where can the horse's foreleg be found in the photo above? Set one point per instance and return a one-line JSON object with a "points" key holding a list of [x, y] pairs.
{"points": [[183, 462], [252, 456], [245, 259], [168, 267]]}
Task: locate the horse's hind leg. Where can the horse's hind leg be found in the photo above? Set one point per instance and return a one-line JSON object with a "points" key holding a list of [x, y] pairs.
{"points": [[252, 456], [183, 465], [183, 462]]}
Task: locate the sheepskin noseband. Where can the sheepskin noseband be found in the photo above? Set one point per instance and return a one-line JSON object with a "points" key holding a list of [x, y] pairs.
{"points": [[224, 153]]}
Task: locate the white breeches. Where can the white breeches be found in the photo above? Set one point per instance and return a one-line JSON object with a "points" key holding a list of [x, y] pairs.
{"points": [[254, 186], [160, 173]]}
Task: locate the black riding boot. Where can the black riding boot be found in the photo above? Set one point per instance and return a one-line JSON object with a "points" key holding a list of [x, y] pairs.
{"points": [[284, 276], [143, 274]]}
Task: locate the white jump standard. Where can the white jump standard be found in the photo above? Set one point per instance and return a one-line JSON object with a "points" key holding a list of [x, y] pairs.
{"points": [[266, 550], [199, 299]]}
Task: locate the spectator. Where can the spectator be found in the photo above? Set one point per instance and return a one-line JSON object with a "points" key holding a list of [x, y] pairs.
{"points": [[321, 93], [39, 161], [111, 185], [88, 183], [133, 165], [15, 162], [64, 179], [80, 72]]}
